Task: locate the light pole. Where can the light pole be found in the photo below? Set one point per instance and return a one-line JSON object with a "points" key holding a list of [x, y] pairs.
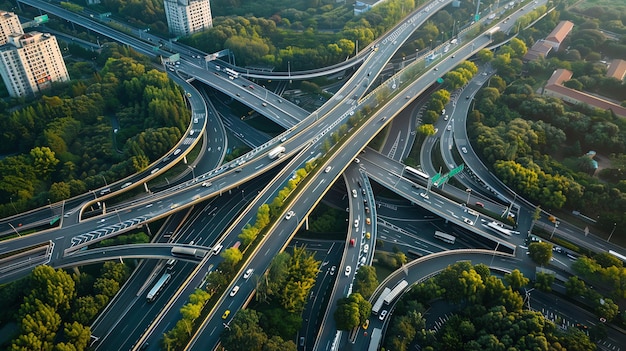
{"points": [[494, 254], [16, 232], [105, 180], [12, 204], [193, 174], [556, 225], [469, 192], [612, 231]]}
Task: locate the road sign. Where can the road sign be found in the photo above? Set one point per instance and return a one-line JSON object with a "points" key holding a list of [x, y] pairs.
{"points": [[456, 170], [439, 80], [41, 19], [435, 177], [54, 220]]}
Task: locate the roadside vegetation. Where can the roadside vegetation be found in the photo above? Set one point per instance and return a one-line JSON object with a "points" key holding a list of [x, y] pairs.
{"points": [[488, 314], [101, 126]]}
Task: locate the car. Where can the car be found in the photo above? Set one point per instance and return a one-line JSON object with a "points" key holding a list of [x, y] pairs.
{"points": [[238, 170], [332, 270], [366, 248], [453, 56], [364, 201], [289, 215], [248, 273], [382, 315], [195, 120], [480, 204], [226, 314], [126, 185], [467, 97], [171, 69], [358, 182], [348, 270], [383, 118], [302, 341], [328, 169], [264, 104], [443, 112], [449, 127], [408, 97], [367, 235], [234, 291], [464, 149], [176, 152], [353, 192], [217, 74], [238, 94], [363, 192], [367, 221], [366, 324], [468, 221], [356, 223], [251, 87], [207, 184], [154, 171], [356, 160], [424, 195], [67, 214], [445, 118], [102, 220], [352, 242], [367, 209], [436, 68]]}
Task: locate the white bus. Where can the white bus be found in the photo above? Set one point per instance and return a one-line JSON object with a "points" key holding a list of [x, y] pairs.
{"points": [[379, 303], [377, 334], [446, 238], [396, 291], [417, 173], [156, 289], [498, 228], [231, 73]]}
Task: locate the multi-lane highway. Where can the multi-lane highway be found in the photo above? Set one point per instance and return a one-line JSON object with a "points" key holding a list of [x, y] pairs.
{"points": [[303, 141]]}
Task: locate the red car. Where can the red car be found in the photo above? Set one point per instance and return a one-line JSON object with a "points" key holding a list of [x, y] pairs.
{"points": [[251, 87]]}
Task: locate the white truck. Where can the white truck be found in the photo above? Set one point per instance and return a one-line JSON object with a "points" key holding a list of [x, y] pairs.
{"points": [[276, 152]]}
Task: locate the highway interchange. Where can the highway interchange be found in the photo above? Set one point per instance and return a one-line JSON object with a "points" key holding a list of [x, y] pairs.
{"points": [[302, 139]]}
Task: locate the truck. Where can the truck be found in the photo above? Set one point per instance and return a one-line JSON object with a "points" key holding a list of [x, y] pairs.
{"points": [[379, 303], [276, 152], [156, 289], [490, 32]]}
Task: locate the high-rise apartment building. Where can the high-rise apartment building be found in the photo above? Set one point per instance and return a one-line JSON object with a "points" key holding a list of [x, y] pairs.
{"points": [[9, 24], [31, 62], [185, 17]]}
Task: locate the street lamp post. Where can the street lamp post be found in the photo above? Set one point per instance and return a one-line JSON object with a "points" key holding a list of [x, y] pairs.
{"points": [[105, 180], [193, 174], [16, 232], [12, 204], [556, 225], [494, 253], [612, 231]]}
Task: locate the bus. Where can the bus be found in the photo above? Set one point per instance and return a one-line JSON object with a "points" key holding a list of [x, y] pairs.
{"points": [[396, 291], [377, 334], [156, 289], [446, 238], [379, 303], [187, 251], [498, 228], [616, 254], [231, 73], [417, 173]]}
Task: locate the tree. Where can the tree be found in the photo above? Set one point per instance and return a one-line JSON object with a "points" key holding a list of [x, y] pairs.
{"points": [[365, 281], [232, 256], [575, 287], [516, 279], [244, 332], [44, 161], [543, 281], [540, 253], [78, 335], [352, 311]]}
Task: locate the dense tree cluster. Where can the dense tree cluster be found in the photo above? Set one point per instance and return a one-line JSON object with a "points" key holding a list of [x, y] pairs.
{"points": [[54, 308], [365, 281], [244, 333], [352, 311], [110, 126], [605, 271], [175, 338], [537, 144], [491, 318]]}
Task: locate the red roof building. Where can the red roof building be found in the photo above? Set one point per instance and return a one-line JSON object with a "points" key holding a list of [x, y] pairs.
{"points": [[558, 35], [617, 69], [555, 89]]}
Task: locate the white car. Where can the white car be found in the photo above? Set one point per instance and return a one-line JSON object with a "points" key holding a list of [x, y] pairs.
{"points": [[348, 270], [353, 192], [445, 118], [289, 215], [449, 127], [468, 221], [207, 184], [356, 160], [424, 195], [382, 315], [248, 273], [328, 169], [356, 223], [234, 291]]}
